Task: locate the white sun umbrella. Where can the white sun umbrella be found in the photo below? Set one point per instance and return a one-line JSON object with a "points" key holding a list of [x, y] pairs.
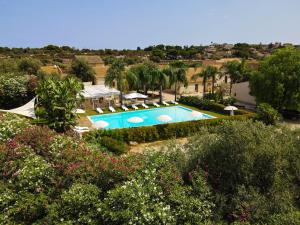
{"points": [[164, 118], [135, 119], [100, 124], [196, 113], [231, 109]]}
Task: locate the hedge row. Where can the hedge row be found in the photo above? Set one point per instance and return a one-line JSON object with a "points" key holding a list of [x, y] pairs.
{"points": [[206, 104]]}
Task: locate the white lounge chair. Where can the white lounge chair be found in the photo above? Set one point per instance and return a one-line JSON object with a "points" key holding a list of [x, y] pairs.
{"points": [[80, 130], [166, 104], [111, 109], [124, 108], [173, 102], [145, 106], [135, 107], [99, 110], [156, 105]]}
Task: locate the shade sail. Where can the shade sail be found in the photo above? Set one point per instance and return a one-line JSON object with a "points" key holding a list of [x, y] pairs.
{"points": [[135, 95], [25, 110], [98, 91]]}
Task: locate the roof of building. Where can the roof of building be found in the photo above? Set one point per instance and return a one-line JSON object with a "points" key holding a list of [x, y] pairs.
{"points": [[91, 59]]}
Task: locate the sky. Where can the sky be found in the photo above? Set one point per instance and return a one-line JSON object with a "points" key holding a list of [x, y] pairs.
{"points": [[127, 24]]}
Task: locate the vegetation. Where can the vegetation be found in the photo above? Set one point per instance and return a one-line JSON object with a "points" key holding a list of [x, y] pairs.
{"points": [[237, 71], [57, 102], [16, 89], [177, 75], [29, 66], [116, 74], [234, 172], [277, 81], [267, 114], [81, 69]]}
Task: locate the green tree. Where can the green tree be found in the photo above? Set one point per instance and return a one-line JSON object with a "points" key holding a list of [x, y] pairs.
{"points": [[177, 75], [81, 69], [116, 73], [277, 80], [57, 101], [236, 71], [29, 65], [208, 72], [267, 114]]}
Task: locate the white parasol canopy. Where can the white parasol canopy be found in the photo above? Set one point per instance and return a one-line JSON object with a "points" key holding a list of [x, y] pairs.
{"points": [[100, 124], [135, 119], [231, 109], [196, 113], [164, 118], [135, 95]]}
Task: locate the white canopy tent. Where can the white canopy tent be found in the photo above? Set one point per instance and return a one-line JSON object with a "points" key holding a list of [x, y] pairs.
{"points": [[98, 91], [135, 95]]}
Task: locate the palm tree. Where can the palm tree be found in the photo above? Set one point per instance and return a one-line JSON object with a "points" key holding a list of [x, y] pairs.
{"points": [[177, 75], [235, 70], [116, 73], [208, 72], [160, 80]]}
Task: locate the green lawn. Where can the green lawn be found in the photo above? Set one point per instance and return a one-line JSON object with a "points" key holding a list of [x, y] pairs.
{"points": [[91, 112]]}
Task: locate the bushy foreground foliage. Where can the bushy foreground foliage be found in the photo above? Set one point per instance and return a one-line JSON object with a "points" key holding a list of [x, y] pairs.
{"points": [[236, 172], [267, 114]]}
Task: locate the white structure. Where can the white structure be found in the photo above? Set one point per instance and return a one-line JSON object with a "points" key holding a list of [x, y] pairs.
{"points": [[25, 110], [231, 109], [98, 91], [135, 119], [164, 118], [100, 124], [241, 91], [135, 95]]}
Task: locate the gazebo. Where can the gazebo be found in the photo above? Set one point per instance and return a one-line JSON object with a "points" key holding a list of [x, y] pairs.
{"points": [[97, 93], [135, 96]]}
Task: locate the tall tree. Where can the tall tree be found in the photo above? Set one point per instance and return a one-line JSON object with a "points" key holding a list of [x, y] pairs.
{"points": [[208, 72], [57, 100], [116, 73], [161, 80], [236, 71], [81, 69], [177, 75], [277, 80]]}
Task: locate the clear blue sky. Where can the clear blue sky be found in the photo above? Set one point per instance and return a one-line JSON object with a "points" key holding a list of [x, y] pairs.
{"points": [[130, 23]]}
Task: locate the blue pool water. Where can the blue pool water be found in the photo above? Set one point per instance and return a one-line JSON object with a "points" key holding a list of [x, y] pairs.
{"points": [[148, 117]]}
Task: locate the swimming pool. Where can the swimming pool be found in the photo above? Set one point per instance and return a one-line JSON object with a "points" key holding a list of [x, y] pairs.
{"points": [[147, 117]]}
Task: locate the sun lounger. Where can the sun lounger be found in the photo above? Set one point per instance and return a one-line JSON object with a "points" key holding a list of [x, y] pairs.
{"points": [[80, 130], [156, 105], [173, 102], [145, 106], [111, 109], [99, 110], [166, 104], [124, 108], [135, 107]]}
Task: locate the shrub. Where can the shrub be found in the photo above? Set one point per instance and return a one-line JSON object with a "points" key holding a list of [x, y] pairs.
{"points": [[115, 146], [29, 66], [267, 114], [10, 125], [13, 90]]}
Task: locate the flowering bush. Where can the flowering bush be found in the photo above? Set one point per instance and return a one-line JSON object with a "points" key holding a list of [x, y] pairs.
{"points": [[10, 125]]}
